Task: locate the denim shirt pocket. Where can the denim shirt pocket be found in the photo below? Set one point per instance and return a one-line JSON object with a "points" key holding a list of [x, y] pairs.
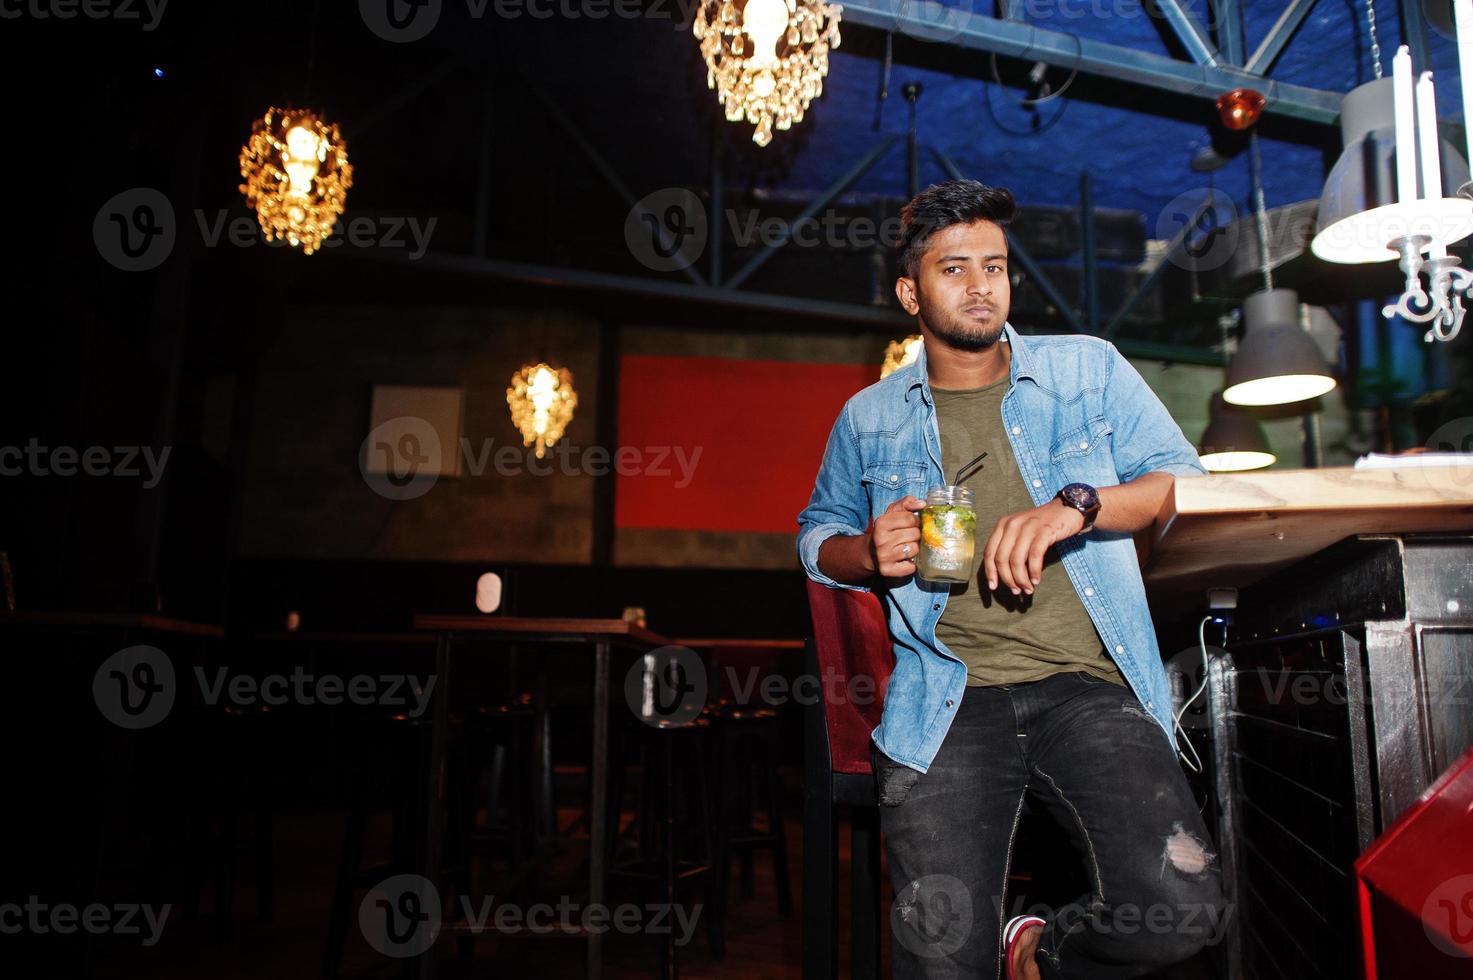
{"points": [[888, 482], [1083, 453]]}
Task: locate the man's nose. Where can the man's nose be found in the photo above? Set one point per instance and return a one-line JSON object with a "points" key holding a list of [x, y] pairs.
{"points": [[979, 285]]}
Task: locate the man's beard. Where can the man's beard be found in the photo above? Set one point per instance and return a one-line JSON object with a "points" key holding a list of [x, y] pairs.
{"points": [[960, 331]]}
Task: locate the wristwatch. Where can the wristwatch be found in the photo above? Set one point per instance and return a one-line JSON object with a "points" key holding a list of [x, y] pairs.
{"points": [[1083, 498]]}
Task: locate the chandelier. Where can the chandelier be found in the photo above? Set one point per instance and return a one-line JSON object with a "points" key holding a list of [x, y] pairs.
{"points": [[297, 176], [542, 399], [767, 61], [899, 354]]}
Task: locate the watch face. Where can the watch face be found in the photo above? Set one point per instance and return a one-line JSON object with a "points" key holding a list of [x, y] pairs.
{"points": [[1081, 495]]}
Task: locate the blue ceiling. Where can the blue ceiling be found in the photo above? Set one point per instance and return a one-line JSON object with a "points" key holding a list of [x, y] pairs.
{"points": [[1139, 157]]}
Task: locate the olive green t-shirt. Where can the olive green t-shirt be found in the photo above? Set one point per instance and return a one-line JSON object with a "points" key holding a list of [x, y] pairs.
{"points": [[1003, 638]]}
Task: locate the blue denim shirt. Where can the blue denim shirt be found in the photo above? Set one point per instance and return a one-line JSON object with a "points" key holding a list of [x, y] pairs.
{"points": [[1075, 411]]}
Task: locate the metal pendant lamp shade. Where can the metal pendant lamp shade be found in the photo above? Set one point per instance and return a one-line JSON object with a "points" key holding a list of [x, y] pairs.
{"points": [[1277, 362], [1233, 440], [1358, 213]]}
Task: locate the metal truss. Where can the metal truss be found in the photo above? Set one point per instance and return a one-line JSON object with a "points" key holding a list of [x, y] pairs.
{"points": [[1213, 70]]}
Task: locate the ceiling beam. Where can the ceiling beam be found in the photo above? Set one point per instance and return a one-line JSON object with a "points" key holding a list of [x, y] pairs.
{"points": [[1189, 31], [929, 20], [853, 314], [1272, 46]]}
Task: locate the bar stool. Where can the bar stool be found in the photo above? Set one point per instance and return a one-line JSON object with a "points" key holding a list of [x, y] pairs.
{"points": [[229, 750], [749, 750], [672, 842]]}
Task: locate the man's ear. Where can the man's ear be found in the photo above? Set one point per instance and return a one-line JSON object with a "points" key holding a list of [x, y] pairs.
{"points": [[905, 291]]}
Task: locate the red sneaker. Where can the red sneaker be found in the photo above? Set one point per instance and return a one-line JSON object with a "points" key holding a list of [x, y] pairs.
{"points": [[1016, 926]]}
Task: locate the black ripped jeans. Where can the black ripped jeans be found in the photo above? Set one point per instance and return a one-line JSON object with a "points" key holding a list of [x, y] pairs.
{"points": [[1088, 755]]}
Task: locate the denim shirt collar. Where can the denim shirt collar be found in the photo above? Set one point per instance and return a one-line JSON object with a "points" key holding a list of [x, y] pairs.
{"points": [[1020, 365]]}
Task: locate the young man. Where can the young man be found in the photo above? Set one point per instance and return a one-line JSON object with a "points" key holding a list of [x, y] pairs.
{"points": [[1040, 676]]}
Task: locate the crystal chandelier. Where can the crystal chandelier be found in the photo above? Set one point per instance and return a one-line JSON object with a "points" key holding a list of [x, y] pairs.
{"points": [[899, 354], [542, 399], [297, 176], [767, 60]]}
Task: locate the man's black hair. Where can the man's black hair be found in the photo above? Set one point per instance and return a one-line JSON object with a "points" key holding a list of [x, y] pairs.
{"points": [[955, 202]]}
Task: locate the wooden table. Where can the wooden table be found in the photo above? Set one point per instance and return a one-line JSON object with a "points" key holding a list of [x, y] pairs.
{"points": [[1232, 529], [603, 634], [99, 621]]}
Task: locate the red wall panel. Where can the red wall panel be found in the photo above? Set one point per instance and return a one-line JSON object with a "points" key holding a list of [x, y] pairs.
{"points": [[760, 428]]}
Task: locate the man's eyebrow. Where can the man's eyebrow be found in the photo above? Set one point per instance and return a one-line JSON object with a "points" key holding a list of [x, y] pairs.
{"points": [[985, 258]]}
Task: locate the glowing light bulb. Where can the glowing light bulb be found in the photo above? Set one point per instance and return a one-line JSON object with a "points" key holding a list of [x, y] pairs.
{"points": [[300, 160], [765, 21], [301, 143]]}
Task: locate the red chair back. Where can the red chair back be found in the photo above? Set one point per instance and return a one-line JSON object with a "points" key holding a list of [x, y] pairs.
{"points": [[854, 665]]}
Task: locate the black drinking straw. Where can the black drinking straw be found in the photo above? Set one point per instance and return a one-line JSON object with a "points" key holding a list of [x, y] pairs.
{"points": [[967, 470]]}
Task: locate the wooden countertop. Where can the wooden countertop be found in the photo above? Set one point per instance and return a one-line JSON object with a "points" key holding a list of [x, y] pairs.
{"points": [[1232, 529], [543, 628]]}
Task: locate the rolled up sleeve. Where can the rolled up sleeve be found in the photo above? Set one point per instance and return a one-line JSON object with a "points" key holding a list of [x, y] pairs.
{"points": [[838, 504], [1145, 438]]}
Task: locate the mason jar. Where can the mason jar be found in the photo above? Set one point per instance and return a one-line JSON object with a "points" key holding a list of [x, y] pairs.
{"points": [[948, 535]]}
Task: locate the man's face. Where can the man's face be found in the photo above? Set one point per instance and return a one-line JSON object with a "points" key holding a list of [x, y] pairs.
{"points": [[961, 291]]}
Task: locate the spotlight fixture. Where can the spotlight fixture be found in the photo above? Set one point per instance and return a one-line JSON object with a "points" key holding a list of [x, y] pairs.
{"points": [[767, 59], [1278, 362], [297, 176], [1234, 440], [1240, 108]]}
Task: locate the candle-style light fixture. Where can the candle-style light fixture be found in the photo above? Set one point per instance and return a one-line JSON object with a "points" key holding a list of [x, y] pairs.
{"points": [[541, 399], [1363, 220], [900, 353], [296, 175], [767, 59]]}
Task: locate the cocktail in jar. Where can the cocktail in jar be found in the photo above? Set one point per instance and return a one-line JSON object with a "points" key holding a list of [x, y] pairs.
{"points": [[948, 535]]}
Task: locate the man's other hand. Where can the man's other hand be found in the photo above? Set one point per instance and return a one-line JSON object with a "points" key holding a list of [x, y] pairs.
{"points": [[1015, 551], [897, 537]]}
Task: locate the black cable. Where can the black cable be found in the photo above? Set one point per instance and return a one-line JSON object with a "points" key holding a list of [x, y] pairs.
{"points": [[1035, 131], [311, 54], [884, 80]]}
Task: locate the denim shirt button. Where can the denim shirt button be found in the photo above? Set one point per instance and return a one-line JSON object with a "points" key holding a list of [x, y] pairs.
{"points": [[1038, 483], [894, 477], [1017, 430], [1089, 591], [1119, 648], [949, 702]]}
